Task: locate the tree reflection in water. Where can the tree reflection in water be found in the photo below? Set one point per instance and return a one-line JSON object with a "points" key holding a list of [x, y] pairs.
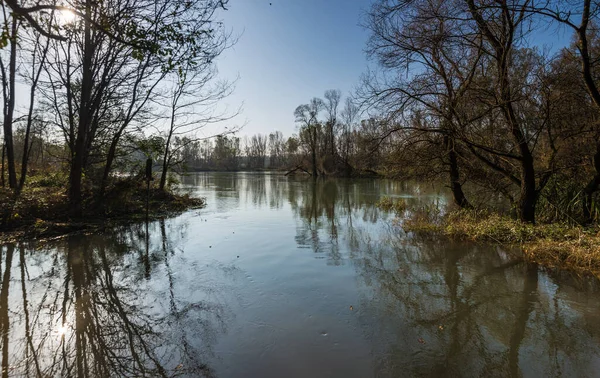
{"points": [[105, 306], [460, 310], [433, 308], [326, 206]]}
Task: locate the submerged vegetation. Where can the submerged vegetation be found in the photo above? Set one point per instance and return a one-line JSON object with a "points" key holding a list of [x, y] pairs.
{"points": [[555, 245]]}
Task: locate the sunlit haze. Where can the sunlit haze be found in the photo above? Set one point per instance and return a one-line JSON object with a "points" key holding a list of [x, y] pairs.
{"points": [[65, 17]]}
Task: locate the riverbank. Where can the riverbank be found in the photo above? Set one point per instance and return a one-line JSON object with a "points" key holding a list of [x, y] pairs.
{"points": [[556, 245], [42, 209]]}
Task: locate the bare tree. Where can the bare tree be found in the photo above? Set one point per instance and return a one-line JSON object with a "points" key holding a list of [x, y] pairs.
{"points": [[310, 128], [331, 104], [349, 116], [276, 149], [39, 55], [99, 85], [582, 18], [425, 39], [258, 150], [193, 99], [8, 71], [502, 27]]}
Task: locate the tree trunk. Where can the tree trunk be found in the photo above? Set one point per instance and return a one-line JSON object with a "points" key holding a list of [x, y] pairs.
{"points": [[331, 138], [25, 159], [455, 186], [314, 162], [76, 173], [110, 157], [26, 146], [591, 188], [586, 69], [2, 173], [165, 167], [163, 174], [9, 109], [528, 196], [502, 47]]}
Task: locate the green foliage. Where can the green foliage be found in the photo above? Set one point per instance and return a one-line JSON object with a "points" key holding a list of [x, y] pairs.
{"points": [[4, 38], [172, 181]]}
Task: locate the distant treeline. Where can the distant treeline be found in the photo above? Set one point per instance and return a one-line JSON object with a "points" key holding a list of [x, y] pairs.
{"points": [[340, 144]]}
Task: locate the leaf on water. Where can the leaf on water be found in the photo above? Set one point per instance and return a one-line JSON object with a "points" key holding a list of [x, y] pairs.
{"points": [[421, 340], [441, 327], [351, 308]]}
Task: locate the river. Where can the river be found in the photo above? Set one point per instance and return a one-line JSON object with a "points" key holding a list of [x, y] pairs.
{"points": [[287, 277]]}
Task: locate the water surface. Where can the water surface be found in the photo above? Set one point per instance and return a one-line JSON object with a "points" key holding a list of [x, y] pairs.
{"points": [[283, 277]]}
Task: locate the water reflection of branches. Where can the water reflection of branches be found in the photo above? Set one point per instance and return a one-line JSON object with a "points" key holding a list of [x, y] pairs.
{"points": [[317, 210], [328, 208], [467, 311], [86, 312]]}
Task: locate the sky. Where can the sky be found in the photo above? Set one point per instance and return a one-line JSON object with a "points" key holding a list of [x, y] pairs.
{"points": [[288, 52]]}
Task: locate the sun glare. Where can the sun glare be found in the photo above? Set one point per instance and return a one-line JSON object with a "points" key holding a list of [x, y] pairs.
{"points": [[66, 17], [62, 330]]}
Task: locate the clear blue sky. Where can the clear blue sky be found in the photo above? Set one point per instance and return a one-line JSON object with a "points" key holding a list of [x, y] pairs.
{"points": [[289, 52]]}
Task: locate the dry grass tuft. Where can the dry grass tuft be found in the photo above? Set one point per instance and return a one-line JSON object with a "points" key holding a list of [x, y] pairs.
{"points": [[581, 255], [554, 245]]}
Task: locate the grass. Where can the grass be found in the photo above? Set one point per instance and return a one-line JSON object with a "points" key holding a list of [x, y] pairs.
{"points": [[553, 245], [398, 206], [42, 209]]}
